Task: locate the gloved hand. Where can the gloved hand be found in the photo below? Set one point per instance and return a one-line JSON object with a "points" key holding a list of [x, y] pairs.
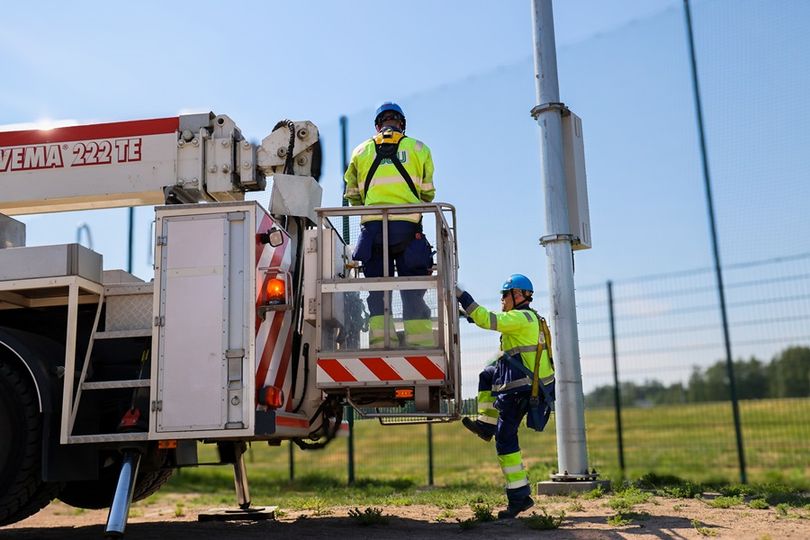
{"points": [[464, 298], [463, 315]]}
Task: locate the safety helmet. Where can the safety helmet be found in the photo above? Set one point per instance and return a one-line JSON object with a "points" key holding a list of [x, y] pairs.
{"points": [[517, 281], [388, 106]]}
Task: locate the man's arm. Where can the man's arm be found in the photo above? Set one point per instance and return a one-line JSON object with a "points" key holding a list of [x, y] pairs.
{"points": [[505, 323], [427, 191], [353, 194]]}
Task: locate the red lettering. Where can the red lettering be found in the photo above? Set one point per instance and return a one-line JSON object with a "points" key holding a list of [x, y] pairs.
{"points": [[121, 150], [34, 157], [5, 159], [27, 158], [134, 153]]}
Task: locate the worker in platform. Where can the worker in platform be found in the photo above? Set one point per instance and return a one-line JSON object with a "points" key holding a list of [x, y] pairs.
{"points": [[392, 168], [517, 383]]}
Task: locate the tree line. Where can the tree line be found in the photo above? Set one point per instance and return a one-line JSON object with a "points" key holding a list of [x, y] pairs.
{"points": [[787, 375]]}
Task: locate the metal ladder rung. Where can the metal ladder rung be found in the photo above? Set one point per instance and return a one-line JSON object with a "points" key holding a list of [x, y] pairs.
{"points": [[107, 437], [106, 385]]}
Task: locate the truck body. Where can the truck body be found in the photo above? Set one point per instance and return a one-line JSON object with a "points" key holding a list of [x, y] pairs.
{"points": [[252, 328]]}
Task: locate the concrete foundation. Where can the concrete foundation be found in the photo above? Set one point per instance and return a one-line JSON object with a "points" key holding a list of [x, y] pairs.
{"points": [[550, 487], [238, 514]]}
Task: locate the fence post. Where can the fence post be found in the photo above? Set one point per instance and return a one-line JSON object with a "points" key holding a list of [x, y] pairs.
{"points": [[350, 442], [430, 453], [735, 408], [617, 398], [292, 463]]}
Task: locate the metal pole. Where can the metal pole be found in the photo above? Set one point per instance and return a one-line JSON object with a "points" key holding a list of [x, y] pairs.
{"points": [[735, 409], [570, 407], [430, 453], [617, 398], [350, 418], [344, 149], [131, 239], [292, 462]]}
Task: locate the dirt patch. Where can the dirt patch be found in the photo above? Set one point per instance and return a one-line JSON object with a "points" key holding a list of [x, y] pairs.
{"points": [[174, 518]]}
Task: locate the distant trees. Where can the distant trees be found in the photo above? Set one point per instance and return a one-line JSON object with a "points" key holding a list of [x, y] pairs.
{"points": [[787, 375]]}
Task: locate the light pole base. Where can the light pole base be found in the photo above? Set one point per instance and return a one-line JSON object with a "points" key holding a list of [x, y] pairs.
{"points": [[550, 487], [239, 514]]}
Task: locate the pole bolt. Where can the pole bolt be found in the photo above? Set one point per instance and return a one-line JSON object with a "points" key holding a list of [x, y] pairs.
{"points": [[302, 133], [281, 152]]}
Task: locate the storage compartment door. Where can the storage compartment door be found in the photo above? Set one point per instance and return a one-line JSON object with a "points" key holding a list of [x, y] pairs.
{"points": [[192, 364]]}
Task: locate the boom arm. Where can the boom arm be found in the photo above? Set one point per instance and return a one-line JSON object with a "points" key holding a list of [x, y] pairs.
{"points": [[189, 158]]}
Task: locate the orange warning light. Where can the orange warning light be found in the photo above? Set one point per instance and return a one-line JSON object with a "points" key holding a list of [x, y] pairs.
{"points": [[271, 396], [403, 393], [275, 291]]}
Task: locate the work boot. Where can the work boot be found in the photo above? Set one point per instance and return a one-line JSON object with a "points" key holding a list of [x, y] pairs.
{"points": [[515, 508], [477, 427]]}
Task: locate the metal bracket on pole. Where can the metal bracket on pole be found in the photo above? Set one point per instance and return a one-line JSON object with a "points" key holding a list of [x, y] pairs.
{"points": [[537, 110], [552, 238]]}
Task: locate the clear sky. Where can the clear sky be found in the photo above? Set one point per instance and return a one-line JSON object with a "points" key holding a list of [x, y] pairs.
{"points": [[463, 71], [261, 61]]}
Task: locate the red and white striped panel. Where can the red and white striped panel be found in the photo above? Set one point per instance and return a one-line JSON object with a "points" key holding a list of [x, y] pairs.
{"points": [[389, 369], [274, 332]]}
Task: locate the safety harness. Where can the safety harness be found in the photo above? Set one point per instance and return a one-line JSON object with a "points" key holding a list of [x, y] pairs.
{"points": [[537, 386], [386, 143]]}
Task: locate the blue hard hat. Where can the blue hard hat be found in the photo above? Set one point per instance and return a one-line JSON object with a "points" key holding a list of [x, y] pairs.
{"points": [[517, 281], [388, 106]]}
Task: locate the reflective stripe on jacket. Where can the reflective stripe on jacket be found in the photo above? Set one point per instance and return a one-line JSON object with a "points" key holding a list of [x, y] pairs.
{"points": [[388, 186]]}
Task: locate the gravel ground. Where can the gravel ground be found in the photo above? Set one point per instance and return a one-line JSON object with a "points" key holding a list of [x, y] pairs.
{"points": [[173, 517]]}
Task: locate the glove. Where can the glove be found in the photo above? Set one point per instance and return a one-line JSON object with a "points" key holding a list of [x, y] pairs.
{"points": [[463, 315], [464, 298]]}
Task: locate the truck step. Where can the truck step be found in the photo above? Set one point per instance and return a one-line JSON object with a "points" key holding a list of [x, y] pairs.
{"points": [[106, 385], [118, 334], [107, 437]]}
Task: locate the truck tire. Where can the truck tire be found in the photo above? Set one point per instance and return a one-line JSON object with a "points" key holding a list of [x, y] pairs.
{"points": [[95, 494], [22, 491]]}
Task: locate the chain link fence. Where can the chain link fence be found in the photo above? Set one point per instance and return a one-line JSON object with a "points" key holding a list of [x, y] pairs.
{"points": [[670, 387]]}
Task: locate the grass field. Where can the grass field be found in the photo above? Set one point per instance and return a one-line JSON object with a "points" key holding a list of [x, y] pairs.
{"points": [[693, 442]]}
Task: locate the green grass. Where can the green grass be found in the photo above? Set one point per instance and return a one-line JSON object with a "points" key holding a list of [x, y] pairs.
{"points": [[544, 521], [697, 441], [369, 516], [725, 501], [674, 451]]}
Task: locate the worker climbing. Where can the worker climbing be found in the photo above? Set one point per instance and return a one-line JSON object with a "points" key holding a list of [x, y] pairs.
{"points": [[392, 168], [519, 382]]}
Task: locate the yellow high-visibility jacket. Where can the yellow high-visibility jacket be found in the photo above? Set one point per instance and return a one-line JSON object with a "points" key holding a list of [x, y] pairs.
{"points": [[520, 334], [387, 186]]}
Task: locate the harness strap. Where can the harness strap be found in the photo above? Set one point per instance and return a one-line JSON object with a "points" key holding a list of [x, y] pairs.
{"points": [[388, 150], [537, 385]]}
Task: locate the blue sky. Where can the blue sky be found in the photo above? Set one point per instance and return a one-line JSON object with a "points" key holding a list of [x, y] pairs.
{"points": [[463, 71], [262, 61]]}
